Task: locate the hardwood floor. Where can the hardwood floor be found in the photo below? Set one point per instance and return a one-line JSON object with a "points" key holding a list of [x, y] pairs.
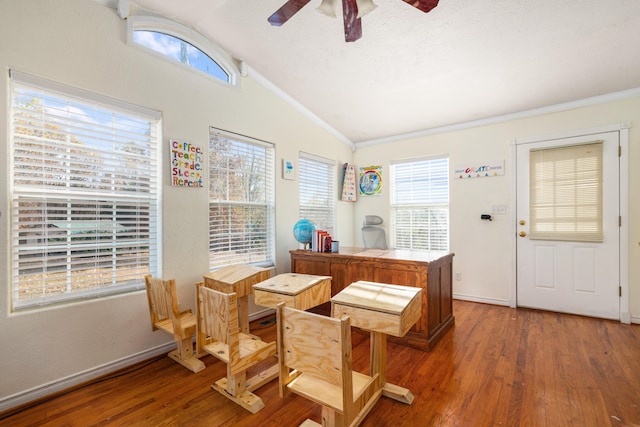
{"points": [[498, 366]]}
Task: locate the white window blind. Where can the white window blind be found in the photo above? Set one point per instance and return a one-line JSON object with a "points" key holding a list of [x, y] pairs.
{"points": [[420, 204], [566, 193], [241, 200], [317, 190], [84, 193]]}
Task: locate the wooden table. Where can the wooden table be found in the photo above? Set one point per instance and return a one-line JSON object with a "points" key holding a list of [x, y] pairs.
{"points": [[301, 291], [239, 279], [382, 309], [429, 271]]}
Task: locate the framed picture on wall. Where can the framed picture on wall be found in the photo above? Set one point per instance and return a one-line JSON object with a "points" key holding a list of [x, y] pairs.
{"points": [[288, 169]]}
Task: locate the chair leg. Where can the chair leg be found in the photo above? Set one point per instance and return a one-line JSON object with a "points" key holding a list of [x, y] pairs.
{"points": [[239, 388], [331, 418], [184, 356], [236, 384], [234, 388]]}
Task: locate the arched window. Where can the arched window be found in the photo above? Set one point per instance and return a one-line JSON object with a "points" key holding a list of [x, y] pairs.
{"points": [[181, 44]]}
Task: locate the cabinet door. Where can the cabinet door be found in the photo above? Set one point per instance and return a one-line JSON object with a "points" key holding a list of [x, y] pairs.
{"points": [[307, 265], [439, 295], [399, 276]]}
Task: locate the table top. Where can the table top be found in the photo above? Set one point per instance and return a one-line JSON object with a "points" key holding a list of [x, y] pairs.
{"points": [[376, 254], [289, 283], [383, 297], [235, 273]]}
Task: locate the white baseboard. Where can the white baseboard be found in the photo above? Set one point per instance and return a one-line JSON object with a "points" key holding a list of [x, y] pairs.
{"points": [[62, 384], [624, 317], [53, 387], [484, 300], [260, 314]]}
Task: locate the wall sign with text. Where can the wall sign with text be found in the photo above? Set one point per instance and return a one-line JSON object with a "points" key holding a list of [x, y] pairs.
{"points": [[480, 170], [187, 164]]}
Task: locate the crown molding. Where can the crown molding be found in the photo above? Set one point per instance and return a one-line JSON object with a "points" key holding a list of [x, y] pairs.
{"points": [[594, 100]]}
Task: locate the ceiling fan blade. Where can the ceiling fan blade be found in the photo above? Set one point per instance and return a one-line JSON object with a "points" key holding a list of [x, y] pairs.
{"points": [[287, 10], [423, 5], [352, 24]]}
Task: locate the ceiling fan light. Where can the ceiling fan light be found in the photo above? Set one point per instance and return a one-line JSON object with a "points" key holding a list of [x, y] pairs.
{"points": [[364, 7], [328, 7]]}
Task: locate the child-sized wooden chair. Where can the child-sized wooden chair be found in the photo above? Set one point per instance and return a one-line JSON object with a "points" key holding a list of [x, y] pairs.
{"points": [[219, 335], [314, 355], [166, 316]]}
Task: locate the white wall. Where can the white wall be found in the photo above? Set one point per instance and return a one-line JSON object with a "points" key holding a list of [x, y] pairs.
{"points": [[82, 43], [484, 250]]}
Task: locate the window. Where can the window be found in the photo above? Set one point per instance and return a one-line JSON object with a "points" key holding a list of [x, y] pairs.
{"points": [[84, 193], [241, 200], [566, 193], [181, 44], [317, 190], [420, 204]]}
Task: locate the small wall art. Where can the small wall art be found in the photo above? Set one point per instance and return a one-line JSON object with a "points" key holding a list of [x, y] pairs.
{"points": [[348, 183], [370, 183], [288, 169], [187, 164]]}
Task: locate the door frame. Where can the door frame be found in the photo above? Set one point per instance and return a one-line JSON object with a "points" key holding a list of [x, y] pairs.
{"points": [[623, 132]]}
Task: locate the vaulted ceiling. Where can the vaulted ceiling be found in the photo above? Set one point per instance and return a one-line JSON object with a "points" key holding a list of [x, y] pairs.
{"points": [[465, 60]]}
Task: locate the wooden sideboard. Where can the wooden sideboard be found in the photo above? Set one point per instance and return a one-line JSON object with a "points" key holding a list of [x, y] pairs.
{"points": [[431, 271]]}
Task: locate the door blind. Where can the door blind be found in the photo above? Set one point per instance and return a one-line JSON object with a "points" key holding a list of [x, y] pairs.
{"points": [[566, 193]]}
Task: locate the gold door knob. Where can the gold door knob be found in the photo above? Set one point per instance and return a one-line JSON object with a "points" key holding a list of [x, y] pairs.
{"points": [[522, 234], [523, 222]]}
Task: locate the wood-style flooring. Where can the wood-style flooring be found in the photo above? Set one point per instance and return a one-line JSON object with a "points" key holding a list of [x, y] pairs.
{"points": [[497, 367]]}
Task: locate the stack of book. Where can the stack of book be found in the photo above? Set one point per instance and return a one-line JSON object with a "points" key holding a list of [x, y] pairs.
{"points": [[320, 241]]}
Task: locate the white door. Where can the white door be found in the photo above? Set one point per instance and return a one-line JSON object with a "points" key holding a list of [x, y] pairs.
{"points": [[556, 272]]}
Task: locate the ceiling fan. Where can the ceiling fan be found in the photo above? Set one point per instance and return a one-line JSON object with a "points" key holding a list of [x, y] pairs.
{"points": [[352, 12]]}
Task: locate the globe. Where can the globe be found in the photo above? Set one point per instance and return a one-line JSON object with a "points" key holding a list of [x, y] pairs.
{"points": [[303, 230]]}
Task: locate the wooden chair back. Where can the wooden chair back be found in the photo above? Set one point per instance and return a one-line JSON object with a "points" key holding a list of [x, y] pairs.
{"points": [[165, 314], [315, 345], [314, 356], [164, 307], [218, 320]]}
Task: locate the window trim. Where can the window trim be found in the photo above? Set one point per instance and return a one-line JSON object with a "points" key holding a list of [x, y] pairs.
{"points": [[332, 182], [270, 195], [88, 98], [394, 206], [197, 40]]}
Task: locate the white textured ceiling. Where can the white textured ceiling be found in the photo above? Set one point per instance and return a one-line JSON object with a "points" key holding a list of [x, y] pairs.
{"points": [[465, 60]]}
